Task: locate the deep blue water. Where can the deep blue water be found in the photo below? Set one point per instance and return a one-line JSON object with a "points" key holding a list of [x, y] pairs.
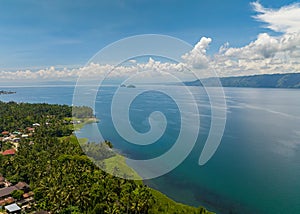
{"points": [[256, 169]]}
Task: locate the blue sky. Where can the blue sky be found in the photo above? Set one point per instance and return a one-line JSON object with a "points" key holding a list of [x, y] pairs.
{"points": [[39, 34], [54, 40]]}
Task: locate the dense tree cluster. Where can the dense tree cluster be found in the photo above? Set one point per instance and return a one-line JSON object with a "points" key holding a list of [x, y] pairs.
{"points": [[63, 178], [18, 116]]}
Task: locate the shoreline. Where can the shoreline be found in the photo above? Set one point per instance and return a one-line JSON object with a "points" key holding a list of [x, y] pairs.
{"points": [[119, 160]]}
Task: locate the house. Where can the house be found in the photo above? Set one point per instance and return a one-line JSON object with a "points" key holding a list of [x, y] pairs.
{"points": [[9, 152], [36, 124], [5, 139], [27, 201], [24, 135], [5, 133], [6, 192], [22, 186], [2, 203], [8, 200], [29, 194], [12, 208], [17, 133], [30, 129]]}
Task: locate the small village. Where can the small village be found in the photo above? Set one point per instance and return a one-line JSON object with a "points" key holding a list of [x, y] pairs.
{"points": [[18, 198], [44, 168], [16, 195], [15, 198]]}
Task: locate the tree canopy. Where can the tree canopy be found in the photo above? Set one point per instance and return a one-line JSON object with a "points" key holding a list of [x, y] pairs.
{"points": [[64, 179]]}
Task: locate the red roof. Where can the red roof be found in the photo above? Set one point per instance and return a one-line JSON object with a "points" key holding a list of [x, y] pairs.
{"points": [[9, 152], [5, 132]]}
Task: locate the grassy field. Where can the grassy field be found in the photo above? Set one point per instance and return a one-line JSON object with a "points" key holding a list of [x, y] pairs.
{"points": [[120, 162]]}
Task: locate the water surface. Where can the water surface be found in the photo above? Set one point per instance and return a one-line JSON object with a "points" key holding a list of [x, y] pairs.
{"points": [[256, 169]]}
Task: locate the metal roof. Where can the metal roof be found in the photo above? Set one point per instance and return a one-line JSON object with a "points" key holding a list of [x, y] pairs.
{"points": [[12, 208]]}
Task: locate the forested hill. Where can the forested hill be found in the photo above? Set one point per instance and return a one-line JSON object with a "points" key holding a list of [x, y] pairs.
{"points": [[291, 80]]}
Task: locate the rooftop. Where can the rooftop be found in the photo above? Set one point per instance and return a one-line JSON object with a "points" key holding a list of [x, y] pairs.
{"points": [[9, 152], [7, 191], [12, 208], [22, 185]]}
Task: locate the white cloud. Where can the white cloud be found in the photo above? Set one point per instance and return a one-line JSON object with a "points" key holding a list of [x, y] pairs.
{"points": [[197, 58], [285, 19], [266, 54], [95, 71], [266, 46]]}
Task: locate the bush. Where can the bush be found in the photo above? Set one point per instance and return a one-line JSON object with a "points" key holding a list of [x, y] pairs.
{"points": [[17, 194]]}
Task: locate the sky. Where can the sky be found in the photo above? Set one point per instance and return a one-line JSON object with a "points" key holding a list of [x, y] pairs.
{"points": [[55, 39]]}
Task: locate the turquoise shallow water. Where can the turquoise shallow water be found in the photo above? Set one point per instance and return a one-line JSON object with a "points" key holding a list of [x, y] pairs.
{"points": [[256, 169]]}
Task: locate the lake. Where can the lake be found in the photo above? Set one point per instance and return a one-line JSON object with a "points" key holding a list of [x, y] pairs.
{"points": [[256, 168]]}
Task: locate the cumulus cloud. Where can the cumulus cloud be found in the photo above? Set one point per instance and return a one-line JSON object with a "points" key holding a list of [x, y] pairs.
{"points": [[197, 57], [265, 55], [95, 71], [54, 74], [266, 46], [285, 19]]}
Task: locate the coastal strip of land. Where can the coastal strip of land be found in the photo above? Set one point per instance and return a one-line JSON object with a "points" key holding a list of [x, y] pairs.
{"points": [[44, 167]]}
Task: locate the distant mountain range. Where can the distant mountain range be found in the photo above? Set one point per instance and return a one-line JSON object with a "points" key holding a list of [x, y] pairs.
{"points": [[291, 80]]}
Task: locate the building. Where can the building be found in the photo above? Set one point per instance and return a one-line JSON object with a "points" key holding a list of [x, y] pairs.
{"points": [[9, 152], [6, 192], [12, 208], [30, 129], [5, 133], [22, 186]]}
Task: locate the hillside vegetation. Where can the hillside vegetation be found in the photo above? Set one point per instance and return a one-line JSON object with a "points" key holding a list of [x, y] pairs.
{"points": [[256, 81]]}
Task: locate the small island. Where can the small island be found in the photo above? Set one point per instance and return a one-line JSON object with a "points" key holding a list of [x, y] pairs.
{"points": [[131, 86], [127, 86], [7, 92]]}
